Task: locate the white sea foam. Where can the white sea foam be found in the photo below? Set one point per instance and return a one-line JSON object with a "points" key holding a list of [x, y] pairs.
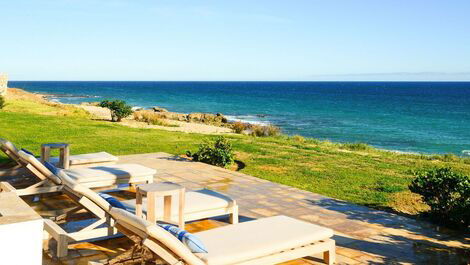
{"points": [[247, 119]]}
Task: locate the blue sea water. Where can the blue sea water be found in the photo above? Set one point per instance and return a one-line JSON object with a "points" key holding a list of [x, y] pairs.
{"points": [[425, 117]]}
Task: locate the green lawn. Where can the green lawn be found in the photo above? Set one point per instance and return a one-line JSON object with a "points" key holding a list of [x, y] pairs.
{"points": [[354, 173]]}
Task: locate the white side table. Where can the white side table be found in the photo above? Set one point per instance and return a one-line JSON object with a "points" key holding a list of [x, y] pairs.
{"points": [[21, 230], [167, 190], [64, 158]]}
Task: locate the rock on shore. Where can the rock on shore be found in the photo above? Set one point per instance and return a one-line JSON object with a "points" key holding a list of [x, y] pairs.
{"points": [[206, 118]]}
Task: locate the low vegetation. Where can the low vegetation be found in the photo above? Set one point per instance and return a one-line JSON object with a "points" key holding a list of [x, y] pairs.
{"points": [[151, 117], [218, 152], [255, 129], [447, 193], [367, 176], [355, 146], [119, 109]]}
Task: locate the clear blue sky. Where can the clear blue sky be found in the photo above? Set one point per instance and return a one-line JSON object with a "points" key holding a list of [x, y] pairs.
{"points": [[235, 40]]}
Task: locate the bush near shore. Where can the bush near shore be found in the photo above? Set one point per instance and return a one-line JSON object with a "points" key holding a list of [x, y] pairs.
{"points": [[119, 109], [371, 177], [151, 117]]}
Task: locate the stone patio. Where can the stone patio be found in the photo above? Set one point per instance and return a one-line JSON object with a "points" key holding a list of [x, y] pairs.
{"points": [[363, 235]]}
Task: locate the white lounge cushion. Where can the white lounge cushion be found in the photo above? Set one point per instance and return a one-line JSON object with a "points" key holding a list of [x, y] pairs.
{"points": [[109, 173], [195, 201], [100, 157], [241, 242]]}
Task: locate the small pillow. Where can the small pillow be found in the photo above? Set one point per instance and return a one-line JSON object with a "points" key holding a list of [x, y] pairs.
{"points": [[113, 201], [27, 151], [191, 241], [51, 168]]}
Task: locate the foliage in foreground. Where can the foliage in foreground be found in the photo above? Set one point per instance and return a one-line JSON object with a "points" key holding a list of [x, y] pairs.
{"points": [[218, 153], [447, 193], [119, 109]]}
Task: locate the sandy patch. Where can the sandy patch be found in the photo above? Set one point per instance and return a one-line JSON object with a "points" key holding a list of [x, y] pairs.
{"points": [[188, 127]]}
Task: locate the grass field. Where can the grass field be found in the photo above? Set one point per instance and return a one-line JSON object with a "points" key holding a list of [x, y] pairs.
{"points": [[352, 172]]}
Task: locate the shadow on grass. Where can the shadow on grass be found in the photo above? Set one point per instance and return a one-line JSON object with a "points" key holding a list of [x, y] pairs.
{"points": [[396, 249], [240, 165]]}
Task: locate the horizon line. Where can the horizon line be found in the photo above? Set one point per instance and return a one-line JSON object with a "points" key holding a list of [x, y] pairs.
{"points": [[286, 81]]}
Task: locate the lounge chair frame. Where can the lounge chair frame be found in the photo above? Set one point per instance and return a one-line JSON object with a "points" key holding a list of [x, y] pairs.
{"points": [[47, 184], [91, 232], [50, 183], [12, 152]]}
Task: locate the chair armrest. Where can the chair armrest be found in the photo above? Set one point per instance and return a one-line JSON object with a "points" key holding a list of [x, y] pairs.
{"points": [[54, 229]]}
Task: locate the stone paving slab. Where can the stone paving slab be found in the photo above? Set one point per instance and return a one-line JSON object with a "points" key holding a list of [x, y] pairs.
{"points": [[363, 235]]}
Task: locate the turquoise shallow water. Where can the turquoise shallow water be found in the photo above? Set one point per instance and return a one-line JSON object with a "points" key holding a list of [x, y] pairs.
{"points": [[427, 117]]}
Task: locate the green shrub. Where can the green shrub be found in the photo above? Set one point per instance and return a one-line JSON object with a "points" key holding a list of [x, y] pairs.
{"points": [[447, 193], [2, 102], [218, 153], [119, 109], [265, 130], [239, 127]]}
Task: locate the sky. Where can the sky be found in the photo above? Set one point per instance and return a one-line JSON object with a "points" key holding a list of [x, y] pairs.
{"points": [[235, 40]]}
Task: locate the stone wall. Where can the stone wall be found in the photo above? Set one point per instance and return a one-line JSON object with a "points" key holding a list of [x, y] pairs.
{"points": [[3, 84]]}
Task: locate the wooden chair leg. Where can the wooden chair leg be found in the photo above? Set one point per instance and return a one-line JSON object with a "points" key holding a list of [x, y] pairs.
{"points": [[329, 256], [62, 246], [234, 215], [60, 236]]}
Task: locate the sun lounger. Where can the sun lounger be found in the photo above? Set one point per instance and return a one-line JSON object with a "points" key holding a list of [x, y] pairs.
{"points": [[82, 160], [92, 177], [208, 205], [269, 240]]}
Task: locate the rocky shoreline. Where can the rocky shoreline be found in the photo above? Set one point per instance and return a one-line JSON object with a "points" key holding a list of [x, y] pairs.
{"points": [[161, 118]]}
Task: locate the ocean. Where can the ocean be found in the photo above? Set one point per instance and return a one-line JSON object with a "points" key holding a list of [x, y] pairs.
{"points": [[421, 117]]}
